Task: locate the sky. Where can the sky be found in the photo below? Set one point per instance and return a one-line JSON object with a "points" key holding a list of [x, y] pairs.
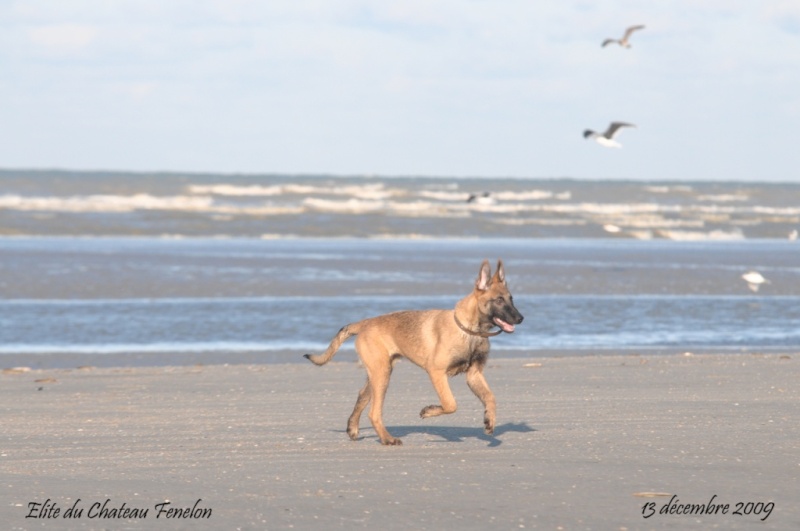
{"points": [[416, 87]]}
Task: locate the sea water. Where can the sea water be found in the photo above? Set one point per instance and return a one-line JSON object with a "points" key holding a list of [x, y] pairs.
{"points": [[275, 299]]}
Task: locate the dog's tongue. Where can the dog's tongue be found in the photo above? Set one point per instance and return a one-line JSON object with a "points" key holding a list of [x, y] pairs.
{"points": [[509, 328]]}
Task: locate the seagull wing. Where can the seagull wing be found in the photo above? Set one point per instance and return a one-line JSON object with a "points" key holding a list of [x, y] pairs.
{"points": [[608, 41], [630, 30], [614, 128]]}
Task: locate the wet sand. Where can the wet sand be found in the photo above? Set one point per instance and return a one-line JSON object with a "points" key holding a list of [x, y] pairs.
{"points": [[581, 443]]}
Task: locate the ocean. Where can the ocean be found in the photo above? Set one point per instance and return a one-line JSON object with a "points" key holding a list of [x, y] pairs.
{"points": [[116, 268]]}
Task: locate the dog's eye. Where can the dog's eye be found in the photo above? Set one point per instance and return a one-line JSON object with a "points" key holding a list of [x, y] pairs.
{"points": [[499, 300]]}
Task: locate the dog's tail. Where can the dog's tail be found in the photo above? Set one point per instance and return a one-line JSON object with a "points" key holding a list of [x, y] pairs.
{"points": [[346, 332]]}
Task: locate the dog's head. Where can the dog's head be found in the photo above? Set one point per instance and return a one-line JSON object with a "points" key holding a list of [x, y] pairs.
{"points": [[495, 303]]}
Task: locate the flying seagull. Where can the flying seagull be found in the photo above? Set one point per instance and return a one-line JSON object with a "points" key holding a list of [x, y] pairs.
{"points": [[624, 40], [607, 138], [754, 280]]}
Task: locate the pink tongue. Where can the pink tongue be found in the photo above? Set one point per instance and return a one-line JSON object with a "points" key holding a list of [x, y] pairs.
{"points": [[504, 325]]}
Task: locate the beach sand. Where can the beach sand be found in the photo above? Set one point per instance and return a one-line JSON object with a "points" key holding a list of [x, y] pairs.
{"points": [[581, 443]]}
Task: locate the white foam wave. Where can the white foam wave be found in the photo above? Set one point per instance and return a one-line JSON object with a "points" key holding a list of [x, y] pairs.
{"points": [[607, 208], [529, 195], [668, 189], [521, 209], [348, 206], [722, 198], [232, 190], [494, 208], [365, 191], [687, 235], [106, 203], [112, 204], [647, 221], [503, 195], [787, 211], [444, 196], [540, 221], [425, 209]]}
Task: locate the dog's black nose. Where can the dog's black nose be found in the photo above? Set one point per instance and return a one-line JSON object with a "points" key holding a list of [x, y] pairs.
{"points": [[519, 318]]}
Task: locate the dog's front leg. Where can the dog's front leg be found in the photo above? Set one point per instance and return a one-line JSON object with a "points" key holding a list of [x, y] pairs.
{"points": [[439, 380], [477, 383]]}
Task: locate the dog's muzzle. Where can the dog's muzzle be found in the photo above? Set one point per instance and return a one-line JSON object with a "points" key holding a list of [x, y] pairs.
{"points": [[509, 320]]}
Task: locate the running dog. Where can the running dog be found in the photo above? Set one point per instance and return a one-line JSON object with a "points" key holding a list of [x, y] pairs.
{"points": [[443, 342]]}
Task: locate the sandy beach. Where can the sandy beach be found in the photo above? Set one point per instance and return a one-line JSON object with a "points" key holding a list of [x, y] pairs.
{"points": [[593, 442]]}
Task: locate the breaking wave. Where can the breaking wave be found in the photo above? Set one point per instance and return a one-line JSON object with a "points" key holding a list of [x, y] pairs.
{"points": [[586, 208]]}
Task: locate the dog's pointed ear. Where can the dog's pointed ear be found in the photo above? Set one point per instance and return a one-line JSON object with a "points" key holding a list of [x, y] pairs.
{"points": [[500, 273], [484, 276]]}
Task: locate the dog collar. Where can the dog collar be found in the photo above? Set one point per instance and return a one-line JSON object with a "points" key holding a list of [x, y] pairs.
{"points": [[473, 332]]}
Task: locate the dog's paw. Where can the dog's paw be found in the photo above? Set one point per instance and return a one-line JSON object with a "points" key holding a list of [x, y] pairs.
{"points": [[392, 442], [353, 434], [430, 411], [488, 426]]}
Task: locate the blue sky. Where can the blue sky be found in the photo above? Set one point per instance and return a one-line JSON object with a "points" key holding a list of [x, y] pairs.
{"points": [[419, 87]]}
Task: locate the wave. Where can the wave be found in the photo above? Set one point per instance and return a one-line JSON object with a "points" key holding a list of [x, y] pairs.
{"points": [[347, 206], [106, 203], [714, 235], [445, 196], [365, 191], [720, 198], [364, 200], [111, 204], [220, 207], [657, 189], [531, 195]]}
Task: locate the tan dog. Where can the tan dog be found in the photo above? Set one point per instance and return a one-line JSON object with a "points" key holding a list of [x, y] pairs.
{"points": [[443, 342]]}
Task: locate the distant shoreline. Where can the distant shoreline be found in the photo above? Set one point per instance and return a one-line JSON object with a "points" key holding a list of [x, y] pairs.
{"points": [[376, 177]]}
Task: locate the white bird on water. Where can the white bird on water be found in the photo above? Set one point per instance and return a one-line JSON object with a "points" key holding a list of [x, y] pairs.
{"points": [[754, 280], [624, 40], [606, 138]]}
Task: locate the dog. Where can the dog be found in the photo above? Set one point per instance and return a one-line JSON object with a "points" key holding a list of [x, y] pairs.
{"points": [[443, 342]]}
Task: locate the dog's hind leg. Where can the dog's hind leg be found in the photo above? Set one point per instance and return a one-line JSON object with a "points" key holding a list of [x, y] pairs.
{"points": [[477, 383], [379, 382], [439, 380], [378, 363], [363, 399]]}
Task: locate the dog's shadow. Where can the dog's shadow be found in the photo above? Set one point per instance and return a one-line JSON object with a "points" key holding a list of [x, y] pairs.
{"points": [[458, 434]]}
